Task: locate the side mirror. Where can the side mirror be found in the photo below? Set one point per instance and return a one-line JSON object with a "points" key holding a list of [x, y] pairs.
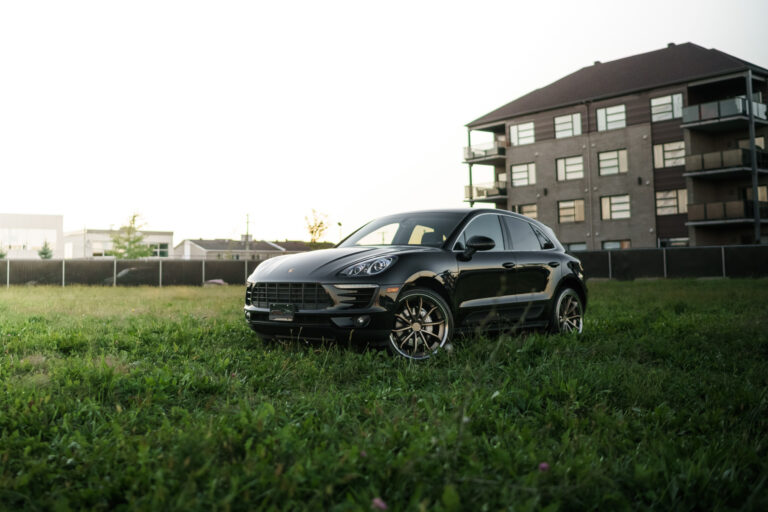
{"points": [[477, 243]]}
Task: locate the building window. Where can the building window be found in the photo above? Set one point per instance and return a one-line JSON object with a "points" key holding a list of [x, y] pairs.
{"points": [[570, 211], [529, 210], [612, 162], [671, 202], [667, 107], [762, 193], [520, 134], [576, 246], [568, 126], [571, 168], [159, 250], [674, 242], [759, 143], [615, 207], [670, 154], [611, 118], [611, 245], [523, 174]]}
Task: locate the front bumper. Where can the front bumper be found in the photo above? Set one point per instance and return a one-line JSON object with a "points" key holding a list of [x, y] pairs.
{"points": [[371, 323]]}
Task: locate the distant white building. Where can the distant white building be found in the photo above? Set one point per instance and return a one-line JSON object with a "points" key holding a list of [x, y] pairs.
{"points": [[243, 249], [23, 235], [97, 243]]}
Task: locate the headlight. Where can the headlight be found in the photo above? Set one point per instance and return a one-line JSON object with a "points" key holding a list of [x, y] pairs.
{"points": [[369, 268]]}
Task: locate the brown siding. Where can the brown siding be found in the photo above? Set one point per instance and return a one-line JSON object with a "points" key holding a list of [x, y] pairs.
{"points": [[669, 178], [671, 226], [666, 131]]}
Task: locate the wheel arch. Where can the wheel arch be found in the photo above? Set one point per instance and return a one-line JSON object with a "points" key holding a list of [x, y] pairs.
{"points": [[432, 284], [570, 281]]}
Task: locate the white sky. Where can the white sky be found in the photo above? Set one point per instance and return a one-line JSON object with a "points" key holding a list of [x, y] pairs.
{"points": [[195, 113]]}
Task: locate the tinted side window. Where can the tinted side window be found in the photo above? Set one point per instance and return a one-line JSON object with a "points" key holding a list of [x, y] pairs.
{"points": [[523, 237], [484, 225], [545, 242]]}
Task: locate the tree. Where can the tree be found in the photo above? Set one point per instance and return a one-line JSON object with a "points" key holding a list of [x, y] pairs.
{"points": [[316, 226], [127, 243], [2, 252], [45, 253]]}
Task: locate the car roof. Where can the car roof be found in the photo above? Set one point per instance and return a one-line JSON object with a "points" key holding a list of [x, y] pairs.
{"points": [[473, 212]]}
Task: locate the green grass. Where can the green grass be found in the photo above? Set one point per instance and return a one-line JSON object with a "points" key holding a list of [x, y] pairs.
{"points": [[163, 399]]}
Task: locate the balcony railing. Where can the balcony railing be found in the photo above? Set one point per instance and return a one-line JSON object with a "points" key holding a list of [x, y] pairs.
{"points": [[497, 189], [722, 109], [725, 210], [724, 160], [484, 151]]}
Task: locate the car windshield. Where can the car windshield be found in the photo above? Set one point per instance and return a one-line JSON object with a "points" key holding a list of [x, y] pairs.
{"points": [[430, 229]]}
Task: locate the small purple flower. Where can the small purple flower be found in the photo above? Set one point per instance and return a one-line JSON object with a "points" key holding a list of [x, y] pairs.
{"points": [[378, 504], [543, 467], [363, 454]]}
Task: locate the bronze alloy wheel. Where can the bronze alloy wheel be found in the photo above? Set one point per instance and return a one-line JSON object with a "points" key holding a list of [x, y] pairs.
{"points": [[423, 324], [569, 312]]}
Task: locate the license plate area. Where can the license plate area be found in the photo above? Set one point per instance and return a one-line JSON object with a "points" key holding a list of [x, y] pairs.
{"points": [[282, 312]]}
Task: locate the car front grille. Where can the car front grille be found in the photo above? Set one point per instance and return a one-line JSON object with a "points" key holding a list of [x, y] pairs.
{"points": [[305, 296]]}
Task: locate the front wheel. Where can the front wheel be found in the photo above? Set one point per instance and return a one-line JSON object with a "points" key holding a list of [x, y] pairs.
{"points": [[568, 313], [423, 324]]}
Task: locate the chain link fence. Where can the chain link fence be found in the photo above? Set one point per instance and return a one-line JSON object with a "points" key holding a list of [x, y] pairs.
{"points": [[725, 261], [628, 264], [123, 272]]}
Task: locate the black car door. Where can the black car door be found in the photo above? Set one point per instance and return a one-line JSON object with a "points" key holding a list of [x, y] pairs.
{"points": [[484, 282], [534, 263]]}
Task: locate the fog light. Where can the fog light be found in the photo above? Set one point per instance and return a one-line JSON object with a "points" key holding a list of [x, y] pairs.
{"points": [[247, 315], [362, 321]]}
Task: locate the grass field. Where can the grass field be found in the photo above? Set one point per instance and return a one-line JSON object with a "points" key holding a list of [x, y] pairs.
{"points": [[163, 399]]}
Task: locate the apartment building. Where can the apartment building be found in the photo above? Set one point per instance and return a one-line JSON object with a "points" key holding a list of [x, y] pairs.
{"points": [[657, 149]]}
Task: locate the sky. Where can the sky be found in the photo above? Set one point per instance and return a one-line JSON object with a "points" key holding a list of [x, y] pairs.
{"points": [[200, 114]]}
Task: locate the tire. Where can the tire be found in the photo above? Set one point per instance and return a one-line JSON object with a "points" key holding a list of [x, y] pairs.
{"points": [[568, 313], [423, 324]]}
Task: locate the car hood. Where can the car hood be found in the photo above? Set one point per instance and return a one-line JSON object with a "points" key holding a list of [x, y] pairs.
{"points": [[324, 264]]}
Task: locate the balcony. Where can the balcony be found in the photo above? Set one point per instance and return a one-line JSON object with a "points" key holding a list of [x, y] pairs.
{"points": [[492, 153], [722, 115], [486, 192], [724, 212], [722, 164]]}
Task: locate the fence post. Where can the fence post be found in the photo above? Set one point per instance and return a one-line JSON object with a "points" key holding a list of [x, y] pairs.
{"points": [[114, 272], [63, 274], [610, 266], [160, 277], [203, 283], [722, 258], [664, 259], [7, 273], [245, 278]]}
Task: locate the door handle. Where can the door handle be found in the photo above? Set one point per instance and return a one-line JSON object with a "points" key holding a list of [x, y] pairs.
{"points": [[554, 264], [508, 264]]}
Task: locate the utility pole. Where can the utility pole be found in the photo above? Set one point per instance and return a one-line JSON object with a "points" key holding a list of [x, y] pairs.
{"points": [[247, 234], [753, 160]]}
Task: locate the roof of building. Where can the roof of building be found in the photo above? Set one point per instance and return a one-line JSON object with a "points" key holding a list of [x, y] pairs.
{"points": [[223, 244], [115, 231], [671, 65], [297, 245]]}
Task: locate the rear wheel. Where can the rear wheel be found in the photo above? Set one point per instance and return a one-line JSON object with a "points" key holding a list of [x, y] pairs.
{"points": [[423, 324], [568, 313]]}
